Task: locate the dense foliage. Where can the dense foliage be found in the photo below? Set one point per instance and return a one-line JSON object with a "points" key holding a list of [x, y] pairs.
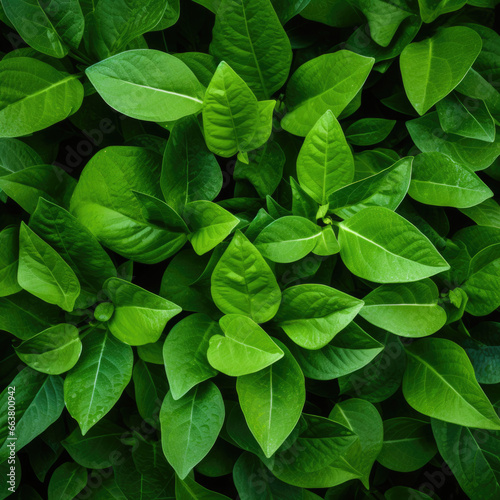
{"points": [[249, 248]]}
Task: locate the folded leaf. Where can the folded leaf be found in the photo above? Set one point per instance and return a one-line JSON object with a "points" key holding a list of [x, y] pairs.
{"points": [[139, 316], [43, 272], [245, 347], [312, 315]]}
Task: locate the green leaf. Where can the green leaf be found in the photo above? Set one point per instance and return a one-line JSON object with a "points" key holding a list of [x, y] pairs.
{"points": [[100, 446], [210, 224], [67, 481], [428, 136], [39, 403], [190, 172], [264, 170], [472, 456], [190, 426], [408, 444], [230, 113], [115, 23], [97, 381], [351, 349], [426, 79], [150, 388], [104, 201], [52, 28], [243, 283], [27, 186], [52, 351], [249, 37], [272, 400], [43, 272], [185, 353], [23, 315], [439, 382], [317, 455], [368, 131], [439, 180], [16, 155], [326, 82], [483, 351], [380, 378], [483, 284], [466, 117], [286, 10], [188, 489], [35, 96], [379, 245], [327, 243], [245, 347], [139, 316], [311, 315], [74, 243], [486, 213], [386, 188], [147, 85], [409, 309], [9, 257], [431, 9], [325, 162], [288, 239], [363, 419], [404, 492]]}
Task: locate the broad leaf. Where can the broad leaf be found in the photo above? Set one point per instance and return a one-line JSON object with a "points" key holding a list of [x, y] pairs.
{"points": [[97, 381], [230, 113], [104, 202], [408, 444], [243, 283], [147, 85], [272, 401], [409, 309], [439, 382], [439, 180], [379, 245], [249, 37], [190, 426], [49, 27], [325, 162], [9, 257], [386, 188], [288, 239], [326, 82], [45, 97], [67, 481], [185, 353], [53, 351], [368, 131], [426, 79], [39, 403]]}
